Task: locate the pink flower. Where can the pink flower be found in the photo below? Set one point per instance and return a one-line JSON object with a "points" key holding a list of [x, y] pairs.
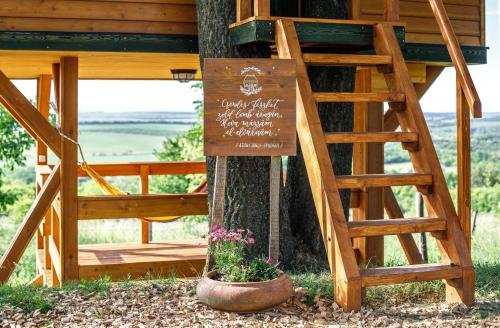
{"points": [[269, 261]]}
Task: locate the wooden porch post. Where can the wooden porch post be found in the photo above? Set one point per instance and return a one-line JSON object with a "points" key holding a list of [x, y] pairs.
{"points": [[43, 106], [463, 163], [69, 162], [145, 226], [367, 159]]}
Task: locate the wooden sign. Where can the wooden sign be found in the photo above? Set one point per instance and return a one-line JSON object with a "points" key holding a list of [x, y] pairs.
{"points": [[250, 107]]}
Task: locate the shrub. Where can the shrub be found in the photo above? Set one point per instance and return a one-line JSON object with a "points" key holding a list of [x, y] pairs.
{"points": [[228, 250]]}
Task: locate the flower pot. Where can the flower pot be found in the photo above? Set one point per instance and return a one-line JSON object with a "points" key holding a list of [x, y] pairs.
{"points": [[243, 296]]}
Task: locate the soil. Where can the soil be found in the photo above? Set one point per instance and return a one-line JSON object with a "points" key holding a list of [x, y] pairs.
{"points": [[152, 304]]}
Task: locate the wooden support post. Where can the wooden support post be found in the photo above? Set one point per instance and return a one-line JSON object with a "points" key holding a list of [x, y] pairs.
{"points": [[69, 162], [262, 8], [243, 9], [145, 226], [368, 159], [274, 220], [55, 242], [217, 215], [29, 226], [463, 164], [391, 10]]}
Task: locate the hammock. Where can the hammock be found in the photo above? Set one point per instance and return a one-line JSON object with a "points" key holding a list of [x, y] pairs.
{"points": [[109, 189]]}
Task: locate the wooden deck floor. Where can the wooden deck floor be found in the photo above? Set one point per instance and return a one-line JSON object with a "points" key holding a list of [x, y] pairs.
{"points": [[119, 261]]}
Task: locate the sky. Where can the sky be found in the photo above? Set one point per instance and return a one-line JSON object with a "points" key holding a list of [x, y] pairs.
{"points": [[132, 96]]}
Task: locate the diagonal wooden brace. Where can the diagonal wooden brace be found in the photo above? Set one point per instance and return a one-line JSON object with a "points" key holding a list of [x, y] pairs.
{"points": [[28, 116], [28, 227]]}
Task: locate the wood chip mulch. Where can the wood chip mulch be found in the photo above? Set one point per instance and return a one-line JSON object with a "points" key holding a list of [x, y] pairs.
{"points": [[175, 305]]}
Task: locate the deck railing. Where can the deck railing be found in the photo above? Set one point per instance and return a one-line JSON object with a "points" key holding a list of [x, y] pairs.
{"points": [[116, 207]]}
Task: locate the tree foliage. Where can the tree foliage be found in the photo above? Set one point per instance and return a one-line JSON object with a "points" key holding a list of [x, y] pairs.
{"points": [[14, 142]]}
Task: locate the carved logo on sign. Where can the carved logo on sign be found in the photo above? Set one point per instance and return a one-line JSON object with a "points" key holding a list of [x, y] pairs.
{"points": [[249, 107], [250, 84]]}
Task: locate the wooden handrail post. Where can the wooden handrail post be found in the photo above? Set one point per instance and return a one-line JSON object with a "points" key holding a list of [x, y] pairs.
{"points": [[69, 174], [262, 8], [463, 164], [391, 10], [145, 226], [457, 57], [243, 9]]}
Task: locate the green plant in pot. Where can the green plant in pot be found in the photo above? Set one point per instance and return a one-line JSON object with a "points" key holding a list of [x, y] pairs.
{"points": [[237, 284]]}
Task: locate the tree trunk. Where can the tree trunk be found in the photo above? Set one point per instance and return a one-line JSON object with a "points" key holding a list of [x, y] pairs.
{"points": [[247, 191], [335, 117]]}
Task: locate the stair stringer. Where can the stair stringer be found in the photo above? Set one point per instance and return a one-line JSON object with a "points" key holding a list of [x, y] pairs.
{"points": [[339, 248], [453, 245]]}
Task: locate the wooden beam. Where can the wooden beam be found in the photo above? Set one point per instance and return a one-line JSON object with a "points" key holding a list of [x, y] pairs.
{"points": [[383, 180], [243, 9], [343, 60], [136, 206], [463, 164], [370, 137], [69, 162], [27, 115], [395, 227], [43, 106], [155, 168], [262, 8], [391, 10], [145, 226], [358, 97], [29, 226]]}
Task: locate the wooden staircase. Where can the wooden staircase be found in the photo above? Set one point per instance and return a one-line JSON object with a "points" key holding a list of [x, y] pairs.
{"points": [[349, 279]]}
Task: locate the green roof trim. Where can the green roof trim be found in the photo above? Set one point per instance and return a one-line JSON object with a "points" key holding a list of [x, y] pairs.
{"points": [[339, 34], [439, 53], [109, 42]]}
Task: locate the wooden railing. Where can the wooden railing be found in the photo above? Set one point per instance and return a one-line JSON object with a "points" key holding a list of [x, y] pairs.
{"points": [[143, 205], [244, 8]]}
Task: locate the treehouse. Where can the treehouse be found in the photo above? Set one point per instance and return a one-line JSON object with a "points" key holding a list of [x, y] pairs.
{"points": [[399, 49]]}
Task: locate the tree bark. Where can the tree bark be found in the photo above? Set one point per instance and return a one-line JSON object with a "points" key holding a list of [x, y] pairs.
{"points": [[247, 191], [335, 117]]}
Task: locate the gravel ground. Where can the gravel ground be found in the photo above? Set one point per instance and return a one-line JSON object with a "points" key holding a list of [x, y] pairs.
{"points": [[175, 305]]}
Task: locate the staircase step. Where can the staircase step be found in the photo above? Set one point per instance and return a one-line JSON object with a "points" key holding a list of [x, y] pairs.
{"points": [[342, 59], [360, 137], [368, 228], [383, 180], [409, 273], [359, 97]]}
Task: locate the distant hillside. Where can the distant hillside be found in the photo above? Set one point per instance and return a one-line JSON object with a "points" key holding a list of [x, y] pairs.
{"points": [[86, 118]]}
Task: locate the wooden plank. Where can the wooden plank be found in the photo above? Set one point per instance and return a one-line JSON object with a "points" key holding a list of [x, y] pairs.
{"points": [[37, 281], [464, 205], [395, 226], [243, 9], [342, 59], [29, 226], [358, 97], [457, 57], [70, 25], [410, 273], [27, 115], [262, 8], [383, 180], [365, 137], [69, 163], [313, 20], [98, 10], [57, 268], [155, 168], [439, 203], [134, 206], [145, 226], [319, 168], [43, 106], [274, 205], [391, 10], [406, 240]]}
